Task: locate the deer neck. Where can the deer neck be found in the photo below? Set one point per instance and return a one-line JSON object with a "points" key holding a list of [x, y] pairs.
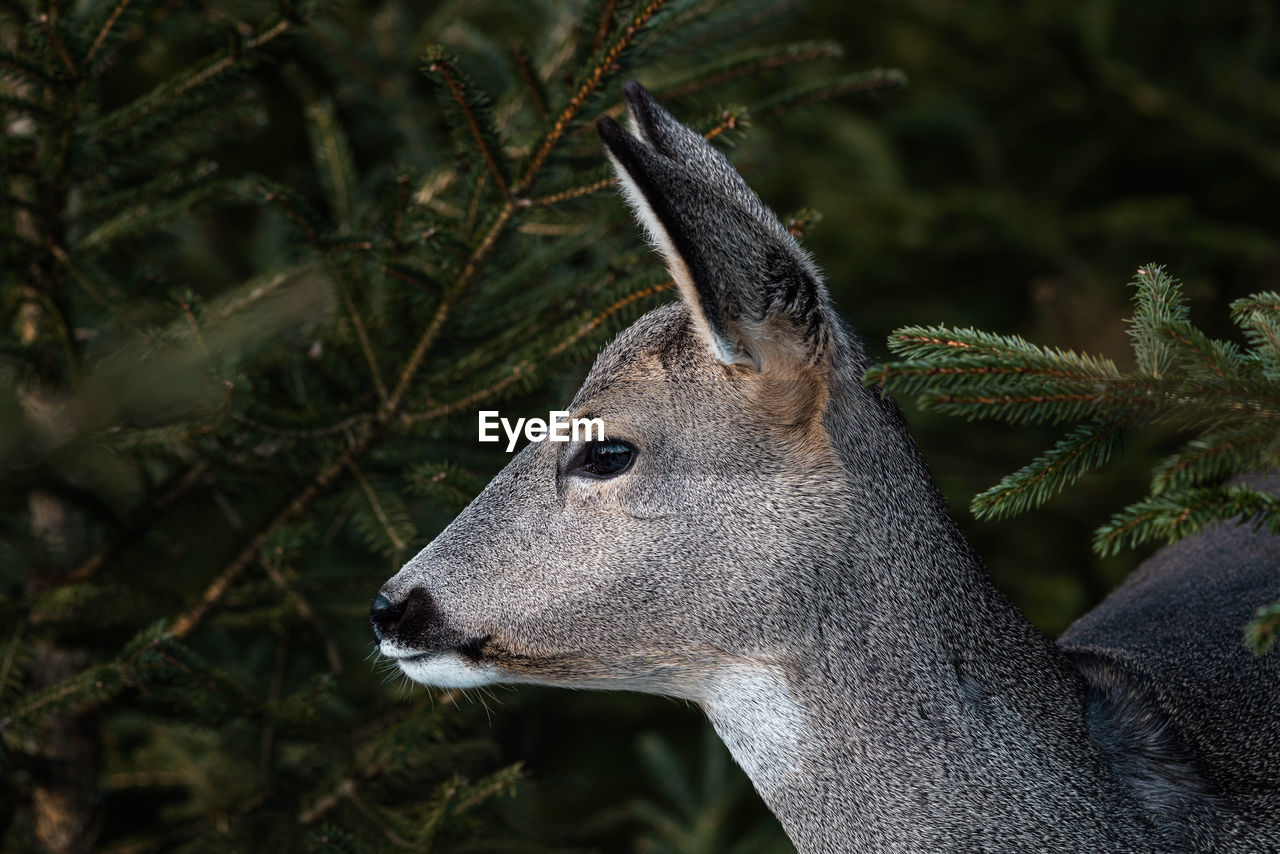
{"points": [[918, 709]]}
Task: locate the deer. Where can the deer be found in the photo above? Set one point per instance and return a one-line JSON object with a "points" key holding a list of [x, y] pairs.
{"points": [[758, 534]]}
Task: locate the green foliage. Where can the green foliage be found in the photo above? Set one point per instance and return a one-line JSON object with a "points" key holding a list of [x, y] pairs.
{"points": [[262, 263], [697, 812], [1224, 395]]}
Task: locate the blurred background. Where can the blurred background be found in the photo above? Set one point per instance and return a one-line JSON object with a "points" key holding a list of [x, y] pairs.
{"points": [[216, 275]]}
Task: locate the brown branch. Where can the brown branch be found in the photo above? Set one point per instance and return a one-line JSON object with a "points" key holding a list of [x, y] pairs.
{"points": [[378, 510], [106, 29], [140, 523], [573, 193], [1009, 400], [594, 323], [304, 433], [304, 609], [520, 369], [822, 51], [369, 813], [402, 202], [361, 333], [348, 301], [602, 31], [408, 276], [469, 271], [198, 79], [45, 24], [443, 68], [215, 591], [347, 786], [345, 789], [473, 210], [570, 112], [526, 75]]}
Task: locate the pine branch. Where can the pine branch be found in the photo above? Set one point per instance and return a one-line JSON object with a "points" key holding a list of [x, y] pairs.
{"points": [[378, 505], [533, 86], [573, 192], [606, 22], [1081, 451], [1262, 632], [1217, 454], [1159, 302], [362, 334], [14, 65], [1259, 317], [203, 74], [188, 621], [1174, 515], [105, 32], [304, 609], [332, 156], [521, 371], [49, 28], [598, 74], [865, 82], [747, 64], [478, 255], [140, 522], [473, 105], [1222, 358]]}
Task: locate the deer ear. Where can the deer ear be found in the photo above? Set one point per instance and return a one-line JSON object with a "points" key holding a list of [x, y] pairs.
{"points": [[757, 297]]}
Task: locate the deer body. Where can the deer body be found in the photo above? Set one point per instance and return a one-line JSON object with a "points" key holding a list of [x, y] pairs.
{"points": [[760, 535]]}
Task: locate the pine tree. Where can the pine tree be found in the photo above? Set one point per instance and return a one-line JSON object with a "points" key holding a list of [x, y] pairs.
{"points": [[237, 387], [1221, 397]]}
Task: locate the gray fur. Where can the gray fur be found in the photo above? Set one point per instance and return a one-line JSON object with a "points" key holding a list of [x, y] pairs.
{"points": [[779, 554]]}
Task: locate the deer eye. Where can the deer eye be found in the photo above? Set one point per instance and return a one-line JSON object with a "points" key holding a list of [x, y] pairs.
{"points": [[607, 458]]}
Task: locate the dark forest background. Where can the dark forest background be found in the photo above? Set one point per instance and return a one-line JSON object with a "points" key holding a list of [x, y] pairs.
{"points": [[158, 411]]}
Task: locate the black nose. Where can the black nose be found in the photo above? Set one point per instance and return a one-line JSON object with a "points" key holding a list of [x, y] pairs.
{"points": [[383, 615]]}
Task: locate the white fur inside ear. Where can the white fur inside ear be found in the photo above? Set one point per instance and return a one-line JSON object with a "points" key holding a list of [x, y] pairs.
{"points": [[660, 240], [637, 130]]}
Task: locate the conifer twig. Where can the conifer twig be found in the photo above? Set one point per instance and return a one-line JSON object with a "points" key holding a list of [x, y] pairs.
{"points": [[765, 60], [402, 202], [304, 432], [478, 255], [285, 203], [139, 523], [444, 68], [573, 192], [602, 31], [406, 275], [107, 27], [304, 609], [51, 33], [357, 323], [589, 86], [521, 369], [530, 84], [376, 505], [184, 625], [148, 105]]}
